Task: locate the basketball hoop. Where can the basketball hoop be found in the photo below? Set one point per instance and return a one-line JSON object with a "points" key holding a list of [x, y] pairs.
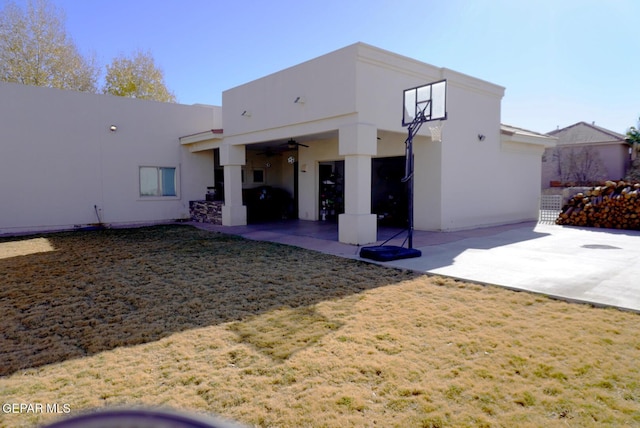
{"points": [[435, 128], [422, 104]]}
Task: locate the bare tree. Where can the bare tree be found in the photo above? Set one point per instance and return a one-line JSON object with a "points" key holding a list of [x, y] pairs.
{"points": [[582, 166], [137, 77], [35, 49]]}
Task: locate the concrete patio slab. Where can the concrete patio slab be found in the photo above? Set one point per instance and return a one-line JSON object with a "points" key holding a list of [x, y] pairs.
{"points": [[588, 265], [598, 266]]}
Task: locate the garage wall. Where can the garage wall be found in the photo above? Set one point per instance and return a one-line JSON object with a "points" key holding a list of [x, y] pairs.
{"points": [[470, 164], [485, 181]]}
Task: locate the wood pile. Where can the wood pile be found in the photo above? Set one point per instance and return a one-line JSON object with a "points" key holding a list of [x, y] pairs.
{"points": [[614, 205]]}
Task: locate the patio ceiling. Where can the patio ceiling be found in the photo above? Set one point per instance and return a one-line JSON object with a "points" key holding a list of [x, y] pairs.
{"points": [[281, 143]]}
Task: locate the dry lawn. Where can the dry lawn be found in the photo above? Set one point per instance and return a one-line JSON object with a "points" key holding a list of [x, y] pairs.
{"points": [[270, 335]]}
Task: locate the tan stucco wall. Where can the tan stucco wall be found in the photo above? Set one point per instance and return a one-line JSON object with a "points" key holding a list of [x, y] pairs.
{"points": [[363, 85], [59, 153], [59, 157], [615, 159]]}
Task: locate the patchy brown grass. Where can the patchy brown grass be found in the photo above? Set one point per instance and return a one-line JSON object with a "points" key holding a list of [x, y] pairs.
{"points": [[271, 335]]}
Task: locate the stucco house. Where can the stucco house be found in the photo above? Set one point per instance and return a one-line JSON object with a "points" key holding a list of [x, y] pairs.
{"points": [[328, 132], [70, 159], [585, 153]]}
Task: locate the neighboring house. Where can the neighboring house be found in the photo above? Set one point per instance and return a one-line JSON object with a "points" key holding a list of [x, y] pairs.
{"points": [[585, 154], [71, 159]]}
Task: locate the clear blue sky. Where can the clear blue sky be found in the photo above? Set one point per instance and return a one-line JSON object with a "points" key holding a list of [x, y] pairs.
{"points": [[561, 61]]}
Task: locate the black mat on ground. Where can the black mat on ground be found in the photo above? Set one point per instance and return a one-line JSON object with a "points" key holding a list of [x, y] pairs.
{"points": [[385, 253]]}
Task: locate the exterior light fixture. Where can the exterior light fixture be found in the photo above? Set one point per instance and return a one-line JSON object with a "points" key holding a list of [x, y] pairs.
{"points": [[246, 113], [113, 128], [481, 137], [299, 100]]}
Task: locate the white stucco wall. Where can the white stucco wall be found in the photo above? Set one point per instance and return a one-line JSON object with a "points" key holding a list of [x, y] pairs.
{"points": [[326, 86], [361, 84], [58, 157], [468, 165], [278, 172], [461, 182], [520, 190]]}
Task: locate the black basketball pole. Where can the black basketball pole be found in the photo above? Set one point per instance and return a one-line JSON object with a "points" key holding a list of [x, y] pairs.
{"points": [[409, 176], [413, 129]]}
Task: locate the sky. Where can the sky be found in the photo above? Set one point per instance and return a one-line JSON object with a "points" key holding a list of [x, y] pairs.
{"points": [[561, 61]]}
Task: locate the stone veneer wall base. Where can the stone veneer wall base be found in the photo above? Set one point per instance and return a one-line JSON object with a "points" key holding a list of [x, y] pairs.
{"points": [[206, 211]]}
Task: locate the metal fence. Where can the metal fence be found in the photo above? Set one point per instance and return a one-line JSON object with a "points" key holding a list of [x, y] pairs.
{"points": [[550, 207]]}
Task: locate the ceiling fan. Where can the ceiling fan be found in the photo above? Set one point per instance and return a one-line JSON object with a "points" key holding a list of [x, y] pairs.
{"points": [[293, 144], [277, 151]]}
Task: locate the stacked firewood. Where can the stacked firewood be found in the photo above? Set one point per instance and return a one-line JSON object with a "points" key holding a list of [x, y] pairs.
{"points": [[615, 205]]}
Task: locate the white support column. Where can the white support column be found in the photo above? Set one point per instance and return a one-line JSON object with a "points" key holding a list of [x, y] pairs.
{"points": [[357, 143], [233, 212]]}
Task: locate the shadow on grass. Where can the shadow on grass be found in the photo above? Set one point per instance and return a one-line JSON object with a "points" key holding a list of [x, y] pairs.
{"points": [[95, 291]]}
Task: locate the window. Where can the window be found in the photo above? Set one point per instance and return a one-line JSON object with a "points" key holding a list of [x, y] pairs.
{"points": [[258, 175], [158, 181]]}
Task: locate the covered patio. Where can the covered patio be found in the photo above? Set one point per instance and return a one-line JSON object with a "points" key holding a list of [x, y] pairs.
{"points": [[328, 174], [327, 132]]}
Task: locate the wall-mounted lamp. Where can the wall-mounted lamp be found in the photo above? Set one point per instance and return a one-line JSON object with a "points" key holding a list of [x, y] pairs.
{"points": [[299, 100], [303, 168], [481, 137], [246, 113], [113, 128]]}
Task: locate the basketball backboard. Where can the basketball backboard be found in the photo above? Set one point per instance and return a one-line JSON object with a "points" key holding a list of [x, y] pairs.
{"points": [[426, 103]]}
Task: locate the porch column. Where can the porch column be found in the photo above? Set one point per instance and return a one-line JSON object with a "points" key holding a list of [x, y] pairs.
{"points": [[357, 143], [233, 212]]}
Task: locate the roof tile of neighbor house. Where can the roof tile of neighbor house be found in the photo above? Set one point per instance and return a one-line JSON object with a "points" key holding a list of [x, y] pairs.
{"points": [[585, 133], [510, 130]]}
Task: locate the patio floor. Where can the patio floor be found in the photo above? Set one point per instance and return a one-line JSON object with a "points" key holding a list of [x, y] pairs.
{"points": [[323, 236], [598, 266]]}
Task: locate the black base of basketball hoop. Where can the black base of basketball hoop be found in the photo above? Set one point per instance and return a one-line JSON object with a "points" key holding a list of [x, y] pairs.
{"points": [[387, 253]]}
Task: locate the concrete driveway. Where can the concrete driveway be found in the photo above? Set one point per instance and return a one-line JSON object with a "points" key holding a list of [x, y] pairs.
{"points": [[599, 266]]}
